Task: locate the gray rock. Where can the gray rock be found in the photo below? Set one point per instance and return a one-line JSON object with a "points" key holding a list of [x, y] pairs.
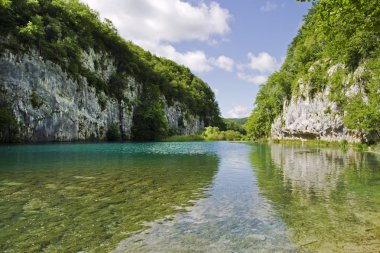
{"points": [[181, 121], [317, 117]]}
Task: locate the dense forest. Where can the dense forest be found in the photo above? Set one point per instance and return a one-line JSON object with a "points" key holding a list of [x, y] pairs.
{"points": [[60, 30], [345, 32]]}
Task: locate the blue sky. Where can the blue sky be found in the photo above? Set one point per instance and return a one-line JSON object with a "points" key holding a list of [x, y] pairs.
{"points": [[232, 45]]}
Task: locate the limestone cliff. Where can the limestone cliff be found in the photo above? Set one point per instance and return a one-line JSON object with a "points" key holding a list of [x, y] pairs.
{"points": [[50, 105], [319, 116]]}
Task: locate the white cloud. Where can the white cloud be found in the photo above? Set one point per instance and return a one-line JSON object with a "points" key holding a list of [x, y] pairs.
{"points": [[164, 20], [263, 62], [238, 111], [255, 79], [224, 62], [269, 6], [259, 68], [196, 60], [155, 25]]}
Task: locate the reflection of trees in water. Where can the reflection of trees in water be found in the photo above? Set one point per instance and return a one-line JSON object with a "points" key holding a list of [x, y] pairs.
{"points": [[329, 199]]}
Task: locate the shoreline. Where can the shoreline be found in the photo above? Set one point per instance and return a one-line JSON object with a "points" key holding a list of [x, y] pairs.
{"points": [[359, 147]]}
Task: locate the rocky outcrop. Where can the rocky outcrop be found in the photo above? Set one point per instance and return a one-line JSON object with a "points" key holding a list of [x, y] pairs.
{"points": [[182, 122], [312, 118], [318, 117], [50, 105]]}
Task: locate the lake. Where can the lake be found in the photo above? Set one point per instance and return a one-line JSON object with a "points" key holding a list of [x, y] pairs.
{"points": [[188, 197]]}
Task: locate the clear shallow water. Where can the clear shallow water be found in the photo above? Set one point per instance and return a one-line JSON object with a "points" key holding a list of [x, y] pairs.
{"points": [[233, 218], [187, 197], [70, 198]]}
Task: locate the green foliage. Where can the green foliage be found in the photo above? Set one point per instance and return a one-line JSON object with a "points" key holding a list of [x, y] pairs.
{"points": [[344, 31], [336, 84], [5, 3], [8, 124], [118, 84], [363, 117], [231, 135], [36, 100], [33, 30], [233, 124], [113, 133], [150, 122], [177, 83], [214, 134], [343, 145], [184, 138], [269, 102], [240, 121]]}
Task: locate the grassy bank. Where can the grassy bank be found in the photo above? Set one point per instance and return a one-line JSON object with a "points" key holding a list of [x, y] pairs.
{"points": [[184, 138]]}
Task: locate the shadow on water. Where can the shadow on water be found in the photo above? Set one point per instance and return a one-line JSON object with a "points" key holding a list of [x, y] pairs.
{"points": [[70, 198], [329, 200]]}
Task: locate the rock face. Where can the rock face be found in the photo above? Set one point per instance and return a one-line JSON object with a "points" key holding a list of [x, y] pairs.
{"points": [[312, 118], [181, 122], [49, 105], [317, 117]]}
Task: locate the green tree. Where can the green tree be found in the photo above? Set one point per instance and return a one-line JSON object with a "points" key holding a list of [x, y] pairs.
{"points": [[113, 133], [150, 122]]}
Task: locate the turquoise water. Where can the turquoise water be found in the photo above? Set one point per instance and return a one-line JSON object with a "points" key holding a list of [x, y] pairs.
{"points": [[187, 197]]}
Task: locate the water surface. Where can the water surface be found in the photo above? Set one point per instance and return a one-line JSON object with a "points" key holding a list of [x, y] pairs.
{"points": [[71, 198], [234, 217], [188, 197]]}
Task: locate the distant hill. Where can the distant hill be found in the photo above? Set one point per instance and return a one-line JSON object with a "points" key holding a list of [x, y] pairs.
{"points": [[240, 121], [235, 124]]}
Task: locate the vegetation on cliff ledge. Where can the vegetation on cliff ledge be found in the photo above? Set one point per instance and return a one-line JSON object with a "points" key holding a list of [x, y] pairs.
{"points": [[343, 32], [61, 30]]}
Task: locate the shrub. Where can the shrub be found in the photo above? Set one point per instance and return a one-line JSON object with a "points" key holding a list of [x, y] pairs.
{"points": [[113, 133]]}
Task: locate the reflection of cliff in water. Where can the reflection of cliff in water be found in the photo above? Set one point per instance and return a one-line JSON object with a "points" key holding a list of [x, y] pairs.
{"points": [[318, 171], [329, 199]]}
